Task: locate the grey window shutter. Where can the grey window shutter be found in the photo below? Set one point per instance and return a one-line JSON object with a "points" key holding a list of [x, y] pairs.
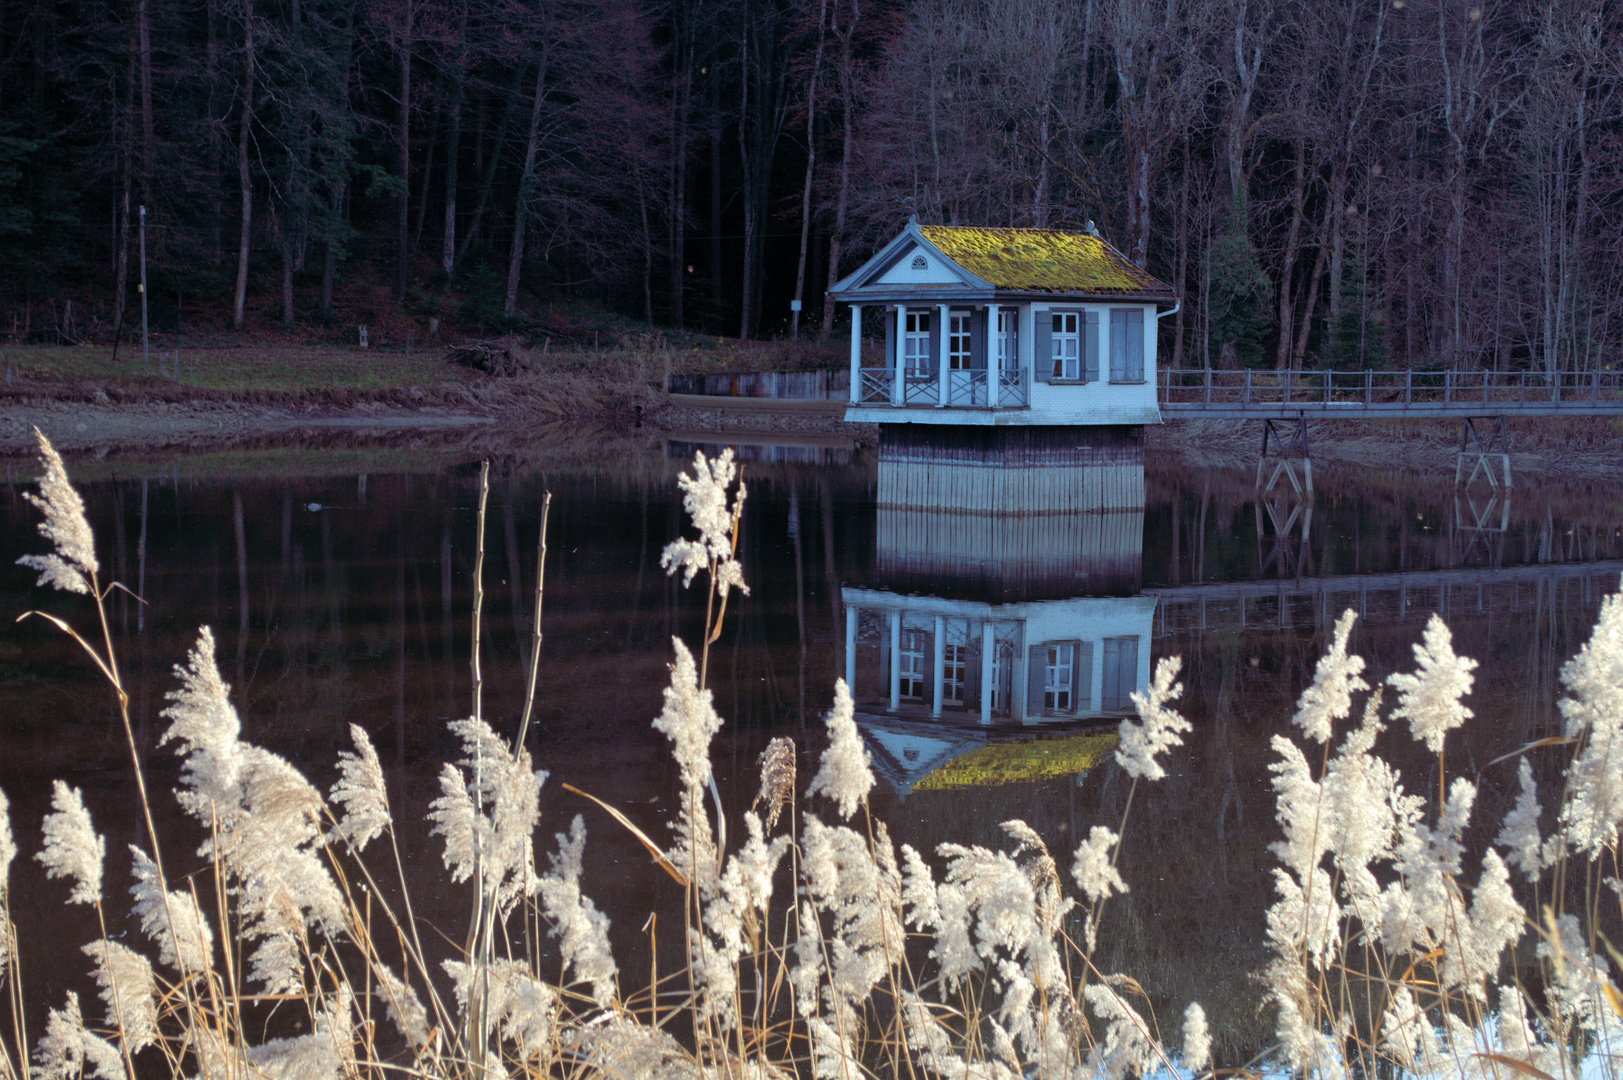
{"points": [[929, 668], [1120, 672], [1090, 346], [891, 344], [1042, 349], [1134, 345], [1084, 674], [1118, 341], [977, 339], [936, 330], [1036, 670], [1110, 696]]}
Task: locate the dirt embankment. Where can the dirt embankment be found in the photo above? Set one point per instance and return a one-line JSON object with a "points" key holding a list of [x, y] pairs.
{"points": [[95, 418]]}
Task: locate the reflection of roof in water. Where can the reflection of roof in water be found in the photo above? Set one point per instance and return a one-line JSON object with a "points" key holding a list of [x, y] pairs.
{"points": [[1035, 759], [909, 754]]}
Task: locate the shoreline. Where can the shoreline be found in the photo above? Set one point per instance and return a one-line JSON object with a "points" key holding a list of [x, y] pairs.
{"points": [[84, 420]]}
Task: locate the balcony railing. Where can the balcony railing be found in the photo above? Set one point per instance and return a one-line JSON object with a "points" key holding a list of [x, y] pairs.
{"points": [[966, 388]]}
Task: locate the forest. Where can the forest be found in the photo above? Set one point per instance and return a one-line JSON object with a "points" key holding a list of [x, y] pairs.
{"points": [[1351, 183]]}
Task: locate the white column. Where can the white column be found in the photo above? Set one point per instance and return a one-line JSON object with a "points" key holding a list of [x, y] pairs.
{"points": [[944, 338], [987, 654], [851, 649], [900, 338], [1019, 678], [895, 660], [992, 363], [856, 353], [939, 635]]}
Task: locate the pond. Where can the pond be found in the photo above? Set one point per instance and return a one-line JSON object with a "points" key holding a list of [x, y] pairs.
{"points": [[340, 588]]}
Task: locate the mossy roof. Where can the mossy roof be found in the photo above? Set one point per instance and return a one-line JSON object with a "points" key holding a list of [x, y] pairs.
{"points": [[1042, 260], [1005, 763]]}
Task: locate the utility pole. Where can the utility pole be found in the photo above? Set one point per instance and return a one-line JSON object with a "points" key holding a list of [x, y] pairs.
{"points": [[144, 364]]}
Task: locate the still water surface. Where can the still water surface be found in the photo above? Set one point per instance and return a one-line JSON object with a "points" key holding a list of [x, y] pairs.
{"points": [[342, 598]]}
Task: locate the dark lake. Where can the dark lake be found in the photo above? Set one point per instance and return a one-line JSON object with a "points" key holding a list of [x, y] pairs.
{"points": [[339, 585]]}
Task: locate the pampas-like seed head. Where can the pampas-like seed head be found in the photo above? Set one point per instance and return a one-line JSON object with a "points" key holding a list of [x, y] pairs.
{"points": [[1329, 697], [361, 792], [1093, 870], [1197, 1041], [845, 775], [69, 1052], [1160, 727], [72, 848], [1430, 698], [688, 719], [173, 922], [128, 990], [777, 778], [705, 499], [71, 566]]}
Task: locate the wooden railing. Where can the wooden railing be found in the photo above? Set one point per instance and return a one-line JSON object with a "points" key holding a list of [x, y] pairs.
{"points": [[1197, 392], [966, 388]]}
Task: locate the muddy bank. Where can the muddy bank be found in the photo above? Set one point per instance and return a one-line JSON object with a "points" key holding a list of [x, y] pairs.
{"points": [[486, 414]]}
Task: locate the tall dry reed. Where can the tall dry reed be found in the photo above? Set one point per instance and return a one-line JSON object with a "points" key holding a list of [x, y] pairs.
{"points": [[815, 946]]}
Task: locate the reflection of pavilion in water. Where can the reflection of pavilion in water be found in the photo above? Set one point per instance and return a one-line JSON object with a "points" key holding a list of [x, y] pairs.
{"points": [[1004, 583]]}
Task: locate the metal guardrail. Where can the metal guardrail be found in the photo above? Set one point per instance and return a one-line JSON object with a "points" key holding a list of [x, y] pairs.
{"points": [[1389, 597], [1249, 394]]}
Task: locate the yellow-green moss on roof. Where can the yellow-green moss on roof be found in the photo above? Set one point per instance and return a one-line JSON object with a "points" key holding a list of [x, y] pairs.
{"points": [[1042, 260], [1006, 763]]}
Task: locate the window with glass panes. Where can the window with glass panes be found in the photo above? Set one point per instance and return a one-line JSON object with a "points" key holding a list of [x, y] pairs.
{"points": [[1059, 680], [916, 344], [1067, 345], [958, 345], [1004, 341], [911, 665], [954, 665]]}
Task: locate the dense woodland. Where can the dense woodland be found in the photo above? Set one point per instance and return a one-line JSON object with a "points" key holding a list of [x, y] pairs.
{"points": [[1348, 182]]}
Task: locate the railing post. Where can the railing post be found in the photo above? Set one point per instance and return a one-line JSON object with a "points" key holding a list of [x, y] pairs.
{"points": [[1408, 388], [1287, 386], [1594, 386], [1369, 385], [1247, 403], [1448, 384], [1484, 386], [1329, 377], [945, 315], [1208, 386], [1555, 387]]}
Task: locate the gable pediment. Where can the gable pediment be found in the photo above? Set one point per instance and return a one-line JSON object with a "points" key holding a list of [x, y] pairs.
{"points": [[913, 265], [910, 261]]}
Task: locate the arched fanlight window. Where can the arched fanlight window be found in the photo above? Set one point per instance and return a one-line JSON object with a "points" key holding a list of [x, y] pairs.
{"points": [[920, 263]]}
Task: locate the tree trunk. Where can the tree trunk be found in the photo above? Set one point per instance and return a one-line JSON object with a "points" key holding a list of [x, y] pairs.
{"points": [[454, 141], [403, 209], [211, 70], [1287, 266], [811, 167], [676, 240], [488, 179], [521, 211], [841, 198], [121, 276], [244, 180], [144, 42]]}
